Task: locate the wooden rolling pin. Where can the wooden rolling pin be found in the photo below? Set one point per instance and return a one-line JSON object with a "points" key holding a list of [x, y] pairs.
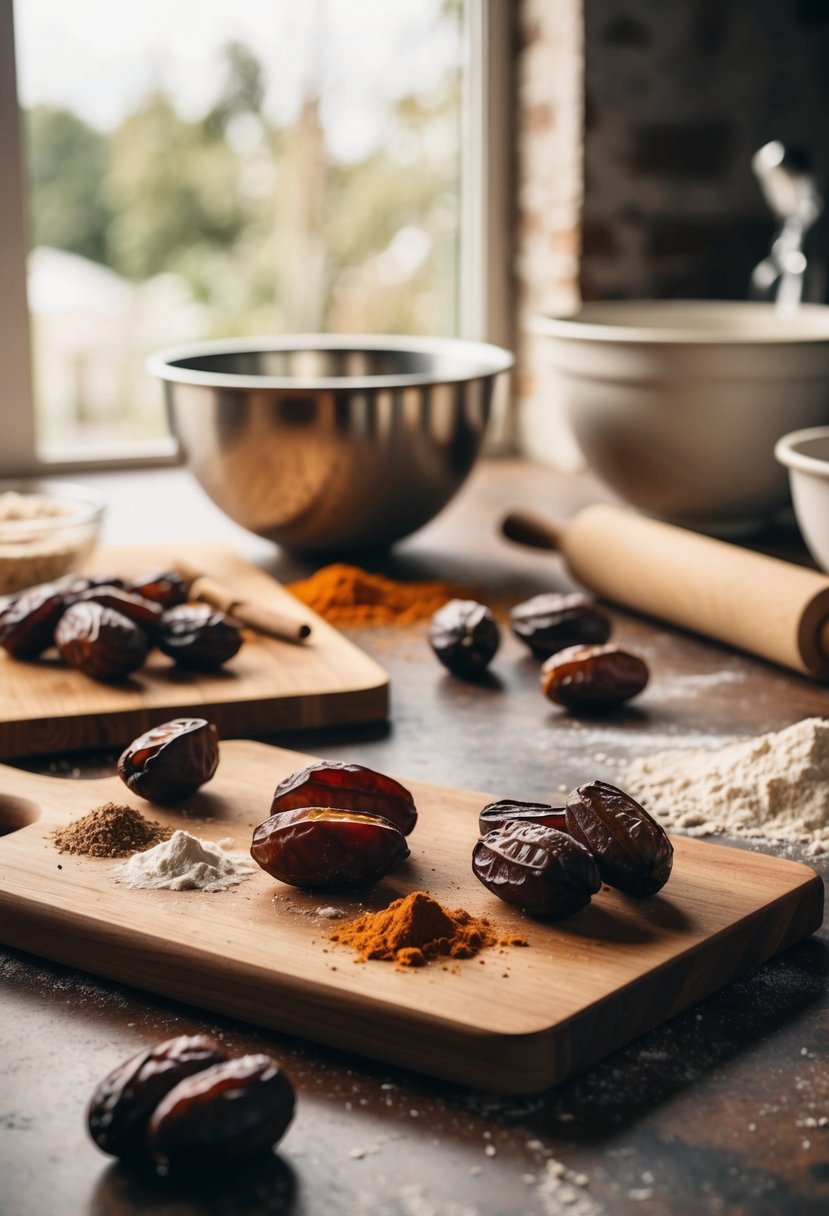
{"points": [[768, 607]]}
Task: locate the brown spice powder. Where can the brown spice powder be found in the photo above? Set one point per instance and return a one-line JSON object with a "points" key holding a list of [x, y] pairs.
{"points": [[111, 830], [347, 595], [414, 929]]}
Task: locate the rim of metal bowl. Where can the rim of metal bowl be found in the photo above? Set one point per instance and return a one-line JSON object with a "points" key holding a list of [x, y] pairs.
{"points": [[88, 506], [482, 359]]}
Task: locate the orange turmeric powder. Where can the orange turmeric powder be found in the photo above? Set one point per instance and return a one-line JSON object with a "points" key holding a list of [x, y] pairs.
{"points": [[414, 929], [347, 595]]}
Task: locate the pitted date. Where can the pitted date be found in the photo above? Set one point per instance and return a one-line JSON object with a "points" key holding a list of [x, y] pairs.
{"points": [[27, 624], [121, 1106], [593, 677], [464, 636], [170, 761], [538, 869], [553, 621], [223, 1114], [508, 810], [347, 787], [100, 642], [198, 637], [632, 850], [318, 847], [142, 612], [164, 587]]}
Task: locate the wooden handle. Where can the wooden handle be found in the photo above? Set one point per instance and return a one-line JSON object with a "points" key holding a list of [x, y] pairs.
{"points": [[531, 530], [248, 612], [757, 603]]}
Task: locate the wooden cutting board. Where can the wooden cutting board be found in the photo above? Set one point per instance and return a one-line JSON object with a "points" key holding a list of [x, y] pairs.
{"points": [[268, 686], [513, 1019]]}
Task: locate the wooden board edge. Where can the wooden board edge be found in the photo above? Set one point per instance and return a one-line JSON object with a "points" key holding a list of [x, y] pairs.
{"points": [[95, 732], [523, 1063]]}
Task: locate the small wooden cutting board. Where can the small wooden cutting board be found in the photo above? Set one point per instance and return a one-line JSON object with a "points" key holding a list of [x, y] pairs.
{"points": [[269, 686], [514, 1020]]}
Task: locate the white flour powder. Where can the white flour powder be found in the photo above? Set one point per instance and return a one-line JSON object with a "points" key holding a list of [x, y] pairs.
{"points": [[185, 863], [774, 787]]}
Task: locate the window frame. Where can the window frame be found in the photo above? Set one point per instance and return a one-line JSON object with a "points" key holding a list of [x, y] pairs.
{"points": [[484, 245]]}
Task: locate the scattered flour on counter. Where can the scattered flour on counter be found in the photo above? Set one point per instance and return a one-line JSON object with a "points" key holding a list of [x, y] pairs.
{"points": [[774, 787], [186, 863]]}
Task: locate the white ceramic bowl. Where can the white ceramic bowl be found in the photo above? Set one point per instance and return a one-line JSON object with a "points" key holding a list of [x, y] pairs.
{"points": [[806, 456], [677, 405]]}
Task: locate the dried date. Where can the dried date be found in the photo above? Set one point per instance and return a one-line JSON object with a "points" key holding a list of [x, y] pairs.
{"points": [[593, 677], [121, 1106], [552, 622], [223, 1114], [632, 850], [318, 847], [164, 587], [198, 637], [27, 624], [172, 760], [464, 636], [508, 810], [143, 613], [538, 869], [347, 787], [100, 642]]}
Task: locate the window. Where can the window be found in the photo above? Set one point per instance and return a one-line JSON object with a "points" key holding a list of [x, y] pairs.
{"points": [[200, 169]]}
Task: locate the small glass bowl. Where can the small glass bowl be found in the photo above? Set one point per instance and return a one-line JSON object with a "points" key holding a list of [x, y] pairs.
{"points": [[47, 529]]}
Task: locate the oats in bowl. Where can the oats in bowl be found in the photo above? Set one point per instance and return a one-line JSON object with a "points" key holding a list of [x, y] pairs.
{"points": [[46, 530]]}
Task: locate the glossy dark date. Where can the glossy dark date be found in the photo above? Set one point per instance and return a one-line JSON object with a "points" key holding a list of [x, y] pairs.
{"points": [[508, 810], [121, 1106], [551, 622], [224, 1114], [347, 787], [163, 587], [100, 642], [143, 613], [464, 636], [538, 869], [317, 847], [172, 760], [632, 850], [198, 637], [27, 624], [593, 677]]}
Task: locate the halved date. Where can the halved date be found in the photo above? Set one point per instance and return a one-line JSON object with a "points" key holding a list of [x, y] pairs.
{"points": [[27, 624], [347, 787], [100, 642], [327, 848], [632, 850], [538, 869], [229, 1112], [509, 810], [172, 760], [121, 1106]]}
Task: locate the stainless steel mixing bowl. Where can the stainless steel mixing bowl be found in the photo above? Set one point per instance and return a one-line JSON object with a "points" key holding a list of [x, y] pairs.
{"points": [[331, 443]]}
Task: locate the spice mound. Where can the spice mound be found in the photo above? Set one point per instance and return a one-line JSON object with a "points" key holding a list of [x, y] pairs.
{"points": [[111, 830], [414, 929], [186, 863], [347, 595]]}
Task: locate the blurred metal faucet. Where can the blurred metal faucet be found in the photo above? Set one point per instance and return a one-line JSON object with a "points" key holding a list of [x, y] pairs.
{"points": [[791, 272]]}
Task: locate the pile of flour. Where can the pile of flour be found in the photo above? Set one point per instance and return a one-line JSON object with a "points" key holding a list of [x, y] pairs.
{"points": [[774, 787], [186, 863]]}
